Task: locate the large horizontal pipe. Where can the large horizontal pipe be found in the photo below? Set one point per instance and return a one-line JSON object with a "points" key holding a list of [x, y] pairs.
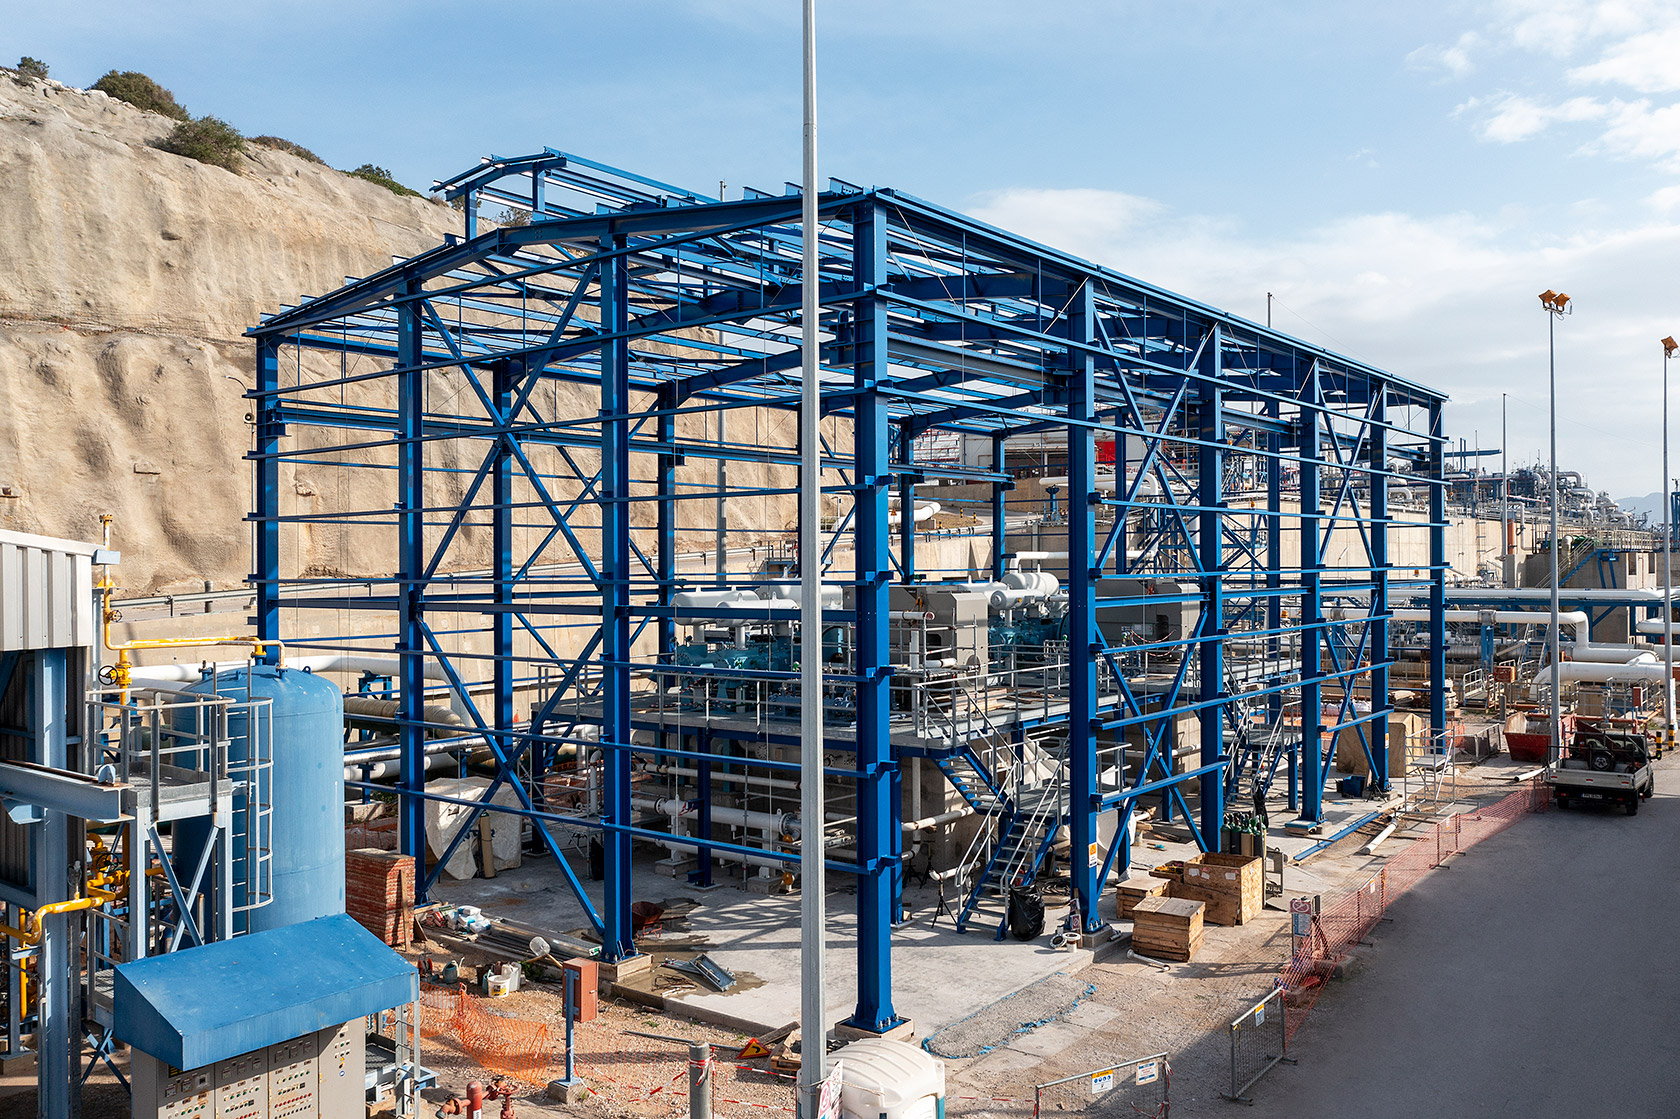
{"points": [[1644, 669], [747, 779], [779, 823], [940, 820], [1576, 619], [1544, 594]]}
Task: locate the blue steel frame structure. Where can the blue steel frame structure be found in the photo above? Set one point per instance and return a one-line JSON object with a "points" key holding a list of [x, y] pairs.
{"points": [[430, 384]]}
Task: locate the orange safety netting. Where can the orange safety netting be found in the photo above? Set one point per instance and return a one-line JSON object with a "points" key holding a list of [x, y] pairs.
{"points": [[1346, 921], [510, 1047]]}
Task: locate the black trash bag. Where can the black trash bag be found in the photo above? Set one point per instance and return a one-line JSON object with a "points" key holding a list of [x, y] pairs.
{"points": [[1026, 915]]}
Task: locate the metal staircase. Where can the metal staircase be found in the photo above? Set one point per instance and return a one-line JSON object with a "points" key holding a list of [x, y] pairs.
{"points": [[1020, 812]]}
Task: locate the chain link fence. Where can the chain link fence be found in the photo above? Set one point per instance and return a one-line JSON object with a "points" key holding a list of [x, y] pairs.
{"points": [[1259, 1040]]}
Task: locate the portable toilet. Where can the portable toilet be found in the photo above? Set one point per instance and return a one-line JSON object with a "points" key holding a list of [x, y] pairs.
{"points": [[883, 1079]]}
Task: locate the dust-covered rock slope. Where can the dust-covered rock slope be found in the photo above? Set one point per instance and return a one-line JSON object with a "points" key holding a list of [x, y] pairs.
{"points": [[127, 276]]}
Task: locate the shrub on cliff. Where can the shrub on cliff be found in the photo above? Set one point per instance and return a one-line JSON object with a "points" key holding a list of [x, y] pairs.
{"points": [[141, 92]]}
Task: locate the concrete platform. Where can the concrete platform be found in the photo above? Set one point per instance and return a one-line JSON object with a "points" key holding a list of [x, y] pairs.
{"points": [[940, 975]]}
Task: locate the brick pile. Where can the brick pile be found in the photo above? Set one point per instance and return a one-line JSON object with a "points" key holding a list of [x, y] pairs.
{"points": [[379, 893]]}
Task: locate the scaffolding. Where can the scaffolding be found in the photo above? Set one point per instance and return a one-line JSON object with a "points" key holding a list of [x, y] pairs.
{"points": [[505, 460]]}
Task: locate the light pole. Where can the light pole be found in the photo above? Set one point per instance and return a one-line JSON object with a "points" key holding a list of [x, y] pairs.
{"points": [[1669, 346], [812, 903], [1505, 562], [1557, 305]]}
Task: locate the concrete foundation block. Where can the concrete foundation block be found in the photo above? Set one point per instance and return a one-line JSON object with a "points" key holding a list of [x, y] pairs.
{"points": [[626, 968], [904, 1031], [567, 1091]]}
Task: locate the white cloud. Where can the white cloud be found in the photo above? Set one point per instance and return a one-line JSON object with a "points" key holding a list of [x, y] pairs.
{"points": [[1509, 117], [1629, 45], [1648, 62], [1454, 60], [1448, 301]]}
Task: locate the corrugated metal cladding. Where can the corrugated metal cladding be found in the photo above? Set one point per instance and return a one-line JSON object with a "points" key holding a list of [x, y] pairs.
{"points": [[46, 592]]}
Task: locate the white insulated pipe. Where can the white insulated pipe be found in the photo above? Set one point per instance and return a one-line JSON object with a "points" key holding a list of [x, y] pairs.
{"points": [[924, 510], [731, 778], [1544, 594], [1575, 619], [938, 821], [778, 822]]}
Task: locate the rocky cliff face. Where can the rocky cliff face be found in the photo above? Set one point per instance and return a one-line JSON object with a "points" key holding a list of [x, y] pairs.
{"points": [[127, 277]]}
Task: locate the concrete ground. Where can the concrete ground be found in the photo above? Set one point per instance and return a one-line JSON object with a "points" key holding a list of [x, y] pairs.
{"points": [[1535, 977], [756, 937]]}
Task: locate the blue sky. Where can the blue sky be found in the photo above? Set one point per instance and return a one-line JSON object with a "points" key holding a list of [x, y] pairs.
{"points": [[1404, 177]]}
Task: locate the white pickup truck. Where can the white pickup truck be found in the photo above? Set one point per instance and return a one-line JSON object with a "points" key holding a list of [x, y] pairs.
{"points": [[1605, 768]]}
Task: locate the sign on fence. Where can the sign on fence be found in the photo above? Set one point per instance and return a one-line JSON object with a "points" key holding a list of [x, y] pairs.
{"points": [[1102, 1082]]}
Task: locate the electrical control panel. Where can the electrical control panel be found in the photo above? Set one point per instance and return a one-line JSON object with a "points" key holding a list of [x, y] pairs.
{"points": [[294, 1078], [242, 1087], [173, 1094], [318, 1076], [343, 1069]]}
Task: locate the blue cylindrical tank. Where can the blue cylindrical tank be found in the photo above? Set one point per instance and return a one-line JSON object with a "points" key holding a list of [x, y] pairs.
{"points": [[305, 788]]}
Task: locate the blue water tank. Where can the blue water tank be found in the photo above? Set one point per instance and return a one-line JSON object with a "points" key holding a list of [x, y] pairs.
{"points": [[305, 788]]}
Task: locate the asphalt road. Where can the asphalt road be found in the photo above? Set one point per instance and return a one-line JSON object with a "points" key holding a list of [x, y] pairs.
{"points": [[1537, 976]]}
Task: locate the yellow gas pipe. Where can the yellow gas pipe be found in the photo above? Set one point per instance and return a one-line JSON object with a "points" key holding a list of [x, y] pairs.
{"points": [[123, 667]]}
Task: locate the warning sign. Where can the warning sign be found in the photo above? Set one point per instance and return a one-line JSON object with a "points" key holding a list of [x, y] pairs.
{"points": [[1148, 1072], [1102, 1082], [1301, 905], [1093, 855]]}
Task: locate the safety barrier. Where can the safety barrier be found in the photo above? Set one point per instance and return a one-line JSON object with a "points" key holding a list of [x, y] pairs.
{"points": [[510, 1047], [1140, 1086], [526, 1052], [1259, 1041], [1337, 927]]}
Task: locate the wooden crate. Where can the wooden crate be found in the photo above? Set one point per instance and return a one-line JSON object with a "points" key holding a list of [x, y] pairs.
{"points": [[1136, 887], [1218, 907], [1167, 928], [1239, 876]]}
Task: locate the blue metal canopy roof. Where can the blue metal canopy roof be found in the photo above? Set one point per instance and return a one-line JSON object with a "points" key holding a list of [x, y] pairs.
{"points": [[202, 1005]]}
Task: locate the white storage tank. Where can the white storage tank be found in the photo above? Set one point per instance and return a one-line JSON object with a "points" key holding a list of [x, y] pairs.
{"points": [[884, 1079]]}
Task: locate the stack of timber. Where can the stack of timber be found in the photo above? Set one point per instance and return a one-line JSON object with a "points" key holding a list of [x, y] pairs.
{"points": [[1167, 928], [1231, 887], [1135, 888]]}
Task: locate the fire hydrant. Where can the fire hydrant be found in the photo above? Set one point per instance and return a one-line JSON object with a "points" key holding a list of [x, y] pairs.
{"points": [[473, 1106]]}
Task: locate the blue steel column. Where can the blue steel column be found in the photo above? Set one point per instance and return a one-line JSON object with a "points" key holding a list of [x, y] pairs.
{"points": [[877, 815], [411, 567], [501, 547], [265, 537], [1378, 643], [1210, 481], [1000, 533], [1083, 802], [906, 511], [615, 602], [1438, 573], [1312, 618], [1274, 584]]}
